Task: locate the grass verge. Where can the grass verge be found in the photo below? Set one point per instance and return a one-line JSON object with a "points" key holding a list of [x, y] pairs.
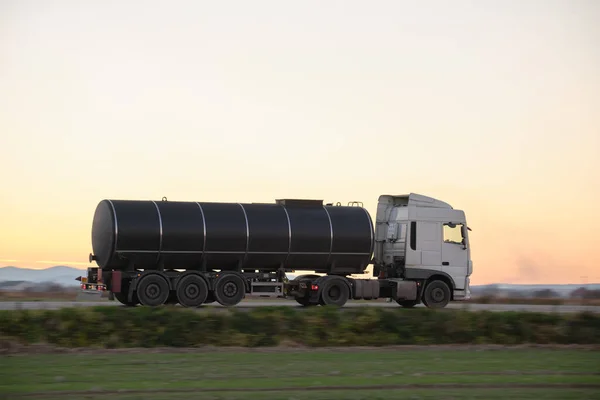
{"points": [[300, 374]]}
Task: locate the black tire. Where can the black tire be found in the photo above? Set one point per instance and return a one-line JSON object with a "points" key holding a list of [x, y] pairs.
{"points": [[230, 289], [192, 291], [122, 298], [436, 294], [153, 290], [407, 303], [334, 292]]}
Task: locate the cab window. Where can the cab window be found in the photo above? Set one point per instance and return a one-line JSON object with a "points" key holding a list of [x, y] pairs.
{"points": [[453, 233]]}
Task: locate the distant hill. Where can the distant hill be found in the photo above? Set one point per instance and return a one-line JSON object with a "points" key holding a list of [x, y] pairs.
{"points": [[59, 274], [563, 290]]}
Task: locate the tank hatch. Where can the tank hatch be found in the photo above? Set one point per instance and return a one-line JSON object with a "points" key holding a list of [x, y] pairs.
{"points": [[299, 203]]}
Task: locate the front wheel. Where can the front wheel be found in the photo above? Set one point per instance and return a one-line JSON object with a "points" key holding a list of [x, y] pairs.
{"points": [[436, 295]]}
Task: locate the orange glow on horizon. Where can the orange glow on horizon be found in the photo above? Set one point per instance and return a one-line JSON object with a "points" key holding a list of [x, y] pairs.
{"points": [[491, 109]]}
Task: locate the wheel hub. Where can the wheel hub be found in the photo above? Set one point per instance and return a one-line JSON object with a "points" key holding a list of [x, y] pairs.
{"points": [[153, 291], [192, 291], [334, 293], [230, 289], [437, 294]]}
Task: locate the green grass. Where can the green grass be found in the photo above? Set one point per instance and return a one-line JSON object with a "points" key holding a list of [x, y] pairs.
{"points": [[175, 376]]}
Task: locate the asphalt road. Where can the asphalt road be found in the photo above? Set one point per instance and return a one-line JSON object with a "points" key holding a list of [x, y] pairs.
{"points": [[53, 305]]}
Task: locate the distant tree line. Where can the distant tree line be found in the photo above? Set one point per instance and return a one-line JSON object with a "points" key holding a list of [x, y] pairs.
{"points": [[583, 293], [580, 293]]}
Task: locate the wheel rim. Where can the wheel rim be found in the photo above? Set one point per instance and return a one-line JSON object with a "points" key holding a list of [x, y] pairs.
{"points": [[192, 291], [230, 289], [334, 293], [152, 291], [437, 295]]}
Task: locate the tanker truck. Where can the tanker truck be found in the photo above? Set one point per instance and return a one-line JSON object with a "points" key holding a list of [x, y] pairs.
{"points": [[192, 253]]}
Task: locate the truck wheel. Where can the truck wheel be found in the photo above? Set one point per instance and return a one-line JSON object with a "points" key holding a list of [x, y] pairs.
{"points": [[192, 291], [334, 292], [230, 289], [122, 298], [124, 294], [153, 290], [436, 295]]}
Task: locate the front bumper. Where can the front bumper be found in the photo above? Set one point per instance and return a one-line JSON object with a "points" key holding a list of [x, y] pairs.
{"points": [[462, 295]]}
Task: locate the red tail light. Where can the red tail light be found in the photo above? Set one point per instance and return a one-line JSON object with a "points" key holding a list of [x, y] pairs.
{"points": [[314, 287]]}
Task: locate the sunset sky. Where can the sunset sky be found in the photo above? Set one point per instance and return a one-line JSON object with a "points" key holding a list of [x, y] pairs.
{"points": [[492, 106]]}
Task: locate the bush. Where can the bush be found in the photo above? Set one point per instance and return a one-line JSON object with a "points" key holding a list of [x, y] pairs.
{"points": [[320, 326]]}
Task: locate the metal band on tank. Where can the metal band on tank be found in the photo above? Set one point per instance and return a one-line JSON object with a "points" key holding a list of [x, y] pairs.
{"points": [[296, 253], [116, 225], [247, 230], [330, 234], [204, 227], [289, 234], [370, 226], [160, 242]]}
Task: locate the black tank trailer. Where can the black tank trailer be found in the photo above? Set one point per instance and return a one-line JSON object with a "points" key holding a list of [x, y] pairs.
{"points": [[193, 253]]}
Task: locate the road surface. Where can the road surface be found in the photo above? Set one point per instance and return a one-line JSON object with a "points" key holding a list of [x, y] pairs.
{"points": [[54, 305]]}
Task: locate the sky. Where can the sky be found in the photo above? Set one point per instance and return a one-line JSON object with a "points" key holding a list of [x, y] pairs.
{"points": [[492, 106]]}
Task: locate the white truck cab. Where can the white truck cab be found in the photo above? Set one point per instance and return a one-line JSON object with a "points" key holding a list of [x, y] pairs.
{"points": [[422, 242]]}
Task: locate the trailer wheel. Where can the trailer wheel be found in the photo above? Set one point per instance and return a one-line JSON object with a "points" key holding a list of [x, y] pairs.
{"points": [[230, 289], [192, 291], [122, 298], [334, 292], [153, 290], [436, 294]]}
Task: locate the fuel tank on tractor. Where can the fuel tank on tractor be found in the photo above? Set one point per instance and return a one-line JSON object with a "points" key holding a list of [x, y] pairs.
{"points": [[293, 234]]}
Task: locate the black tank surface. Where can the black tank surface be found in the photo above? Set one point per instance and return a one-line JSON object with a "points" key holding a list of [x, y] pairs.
{"points": [[293, 234]]}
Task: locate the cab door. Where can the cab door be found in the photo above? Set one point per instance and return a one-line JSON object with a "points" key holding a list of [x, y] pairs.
{"points": [[423, 250], [455, 253]]}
